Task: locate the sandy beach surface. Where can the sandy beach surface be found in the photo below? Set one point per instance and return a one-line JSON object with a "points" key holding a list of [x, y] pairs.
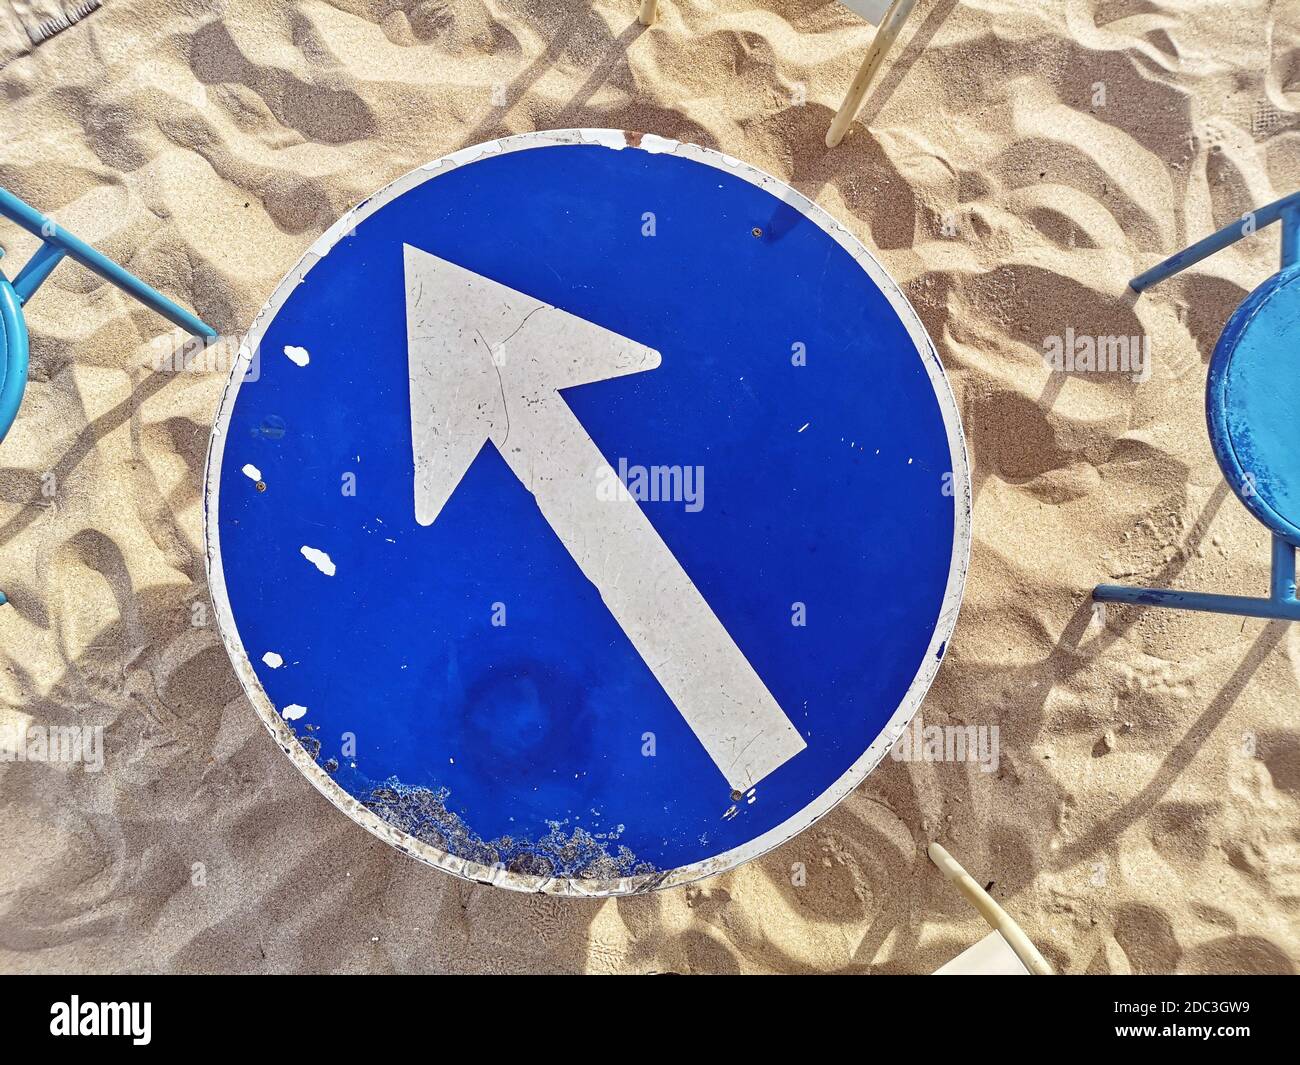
{"points": [[1015, 166]]}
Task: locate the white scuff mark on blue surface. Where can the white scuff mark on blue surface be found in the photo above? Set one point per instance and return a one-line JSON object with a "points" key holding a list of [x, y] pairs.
{"points": [[320, 559]]}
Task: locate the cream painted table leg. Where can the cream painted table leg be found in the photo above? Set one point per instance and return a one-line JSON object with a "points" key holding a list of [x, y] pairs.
{"points": [[890, 27], [997, 918]]}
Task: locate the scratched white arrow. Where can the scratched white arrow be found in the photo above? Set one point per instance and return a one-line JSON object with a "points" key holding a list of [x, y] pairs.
{"points": [[487, 363]]}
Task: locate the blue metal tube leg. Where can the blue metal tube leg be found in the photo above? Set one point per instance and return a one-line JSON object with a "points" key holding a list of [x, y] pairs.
{"points": [[1287, 209], [1242, 605], [58, 238], [1290, 236], [1281, 604], [38, 268], [1283, 582]]}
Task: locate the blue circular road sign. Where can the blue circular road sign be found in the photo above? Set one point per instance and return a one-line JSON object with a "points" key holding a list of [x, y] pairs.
{"points": [[587, 513]]}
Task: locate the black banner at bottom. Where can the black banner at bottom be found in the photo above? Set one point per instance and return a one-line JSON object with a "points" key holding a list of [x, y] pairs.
{"points": [[140, 1013]]}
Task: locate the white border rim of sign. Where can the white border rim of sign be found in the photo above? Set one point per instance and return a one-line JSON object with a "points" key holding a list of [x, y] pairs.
{"points": [[793, 825]]}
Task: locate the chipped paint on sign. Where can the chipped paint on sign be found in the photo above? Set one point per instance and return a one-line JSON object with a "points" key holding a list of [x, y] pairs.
{"points": [[576, 853], [320, 559]]}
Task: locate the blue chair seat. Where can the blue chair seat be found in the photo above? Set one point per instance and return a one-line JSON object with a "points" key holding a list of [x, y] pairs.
{"points": [[1252, 403], [13, 355], [1250, 411]]}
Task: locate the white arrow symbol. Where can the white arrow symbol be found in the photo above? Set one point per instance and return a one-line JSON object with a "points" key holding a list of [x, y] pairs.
{"points": [[487, 363]]}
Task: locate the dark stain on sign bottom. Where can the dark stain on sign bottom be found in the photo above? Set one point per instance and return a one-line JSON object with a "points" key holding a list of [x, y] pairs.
{"points": [[423, 814]]}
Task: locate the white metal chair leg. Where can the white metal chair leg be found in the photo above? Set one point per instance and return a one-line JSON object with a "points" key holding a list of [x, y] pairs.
{"points": [[647, 15], [998, 918], [890, 27]]}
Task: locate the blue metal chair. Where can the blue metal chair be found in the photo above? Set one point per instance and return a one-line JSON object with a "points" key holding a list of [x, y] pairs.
{"points": [[14, 295], [1250, 406]]}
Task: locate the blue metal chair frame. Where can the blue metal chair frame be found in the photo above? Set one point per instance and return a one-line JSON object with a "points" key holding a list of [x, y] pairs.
{"points": [[1281, 603], [56, 243]]}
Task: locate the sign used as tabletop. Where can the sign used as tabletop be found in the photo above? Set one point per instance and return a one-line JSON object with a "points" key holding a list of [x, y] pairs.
{"points": [[597, 515]]}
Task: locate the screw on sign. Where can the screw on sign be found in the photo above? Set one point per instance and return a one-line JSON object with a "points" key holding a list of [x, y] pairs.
{"points": [[527, 646]]}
